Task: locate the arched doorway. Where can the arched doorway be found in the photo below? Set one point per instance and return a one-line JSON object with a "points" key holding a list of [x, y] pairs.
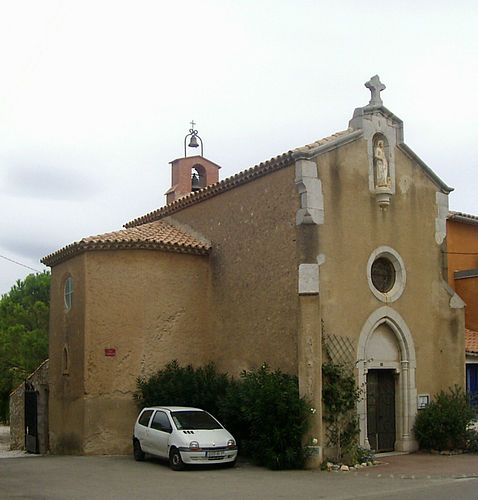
{"points": [[386, 370]]}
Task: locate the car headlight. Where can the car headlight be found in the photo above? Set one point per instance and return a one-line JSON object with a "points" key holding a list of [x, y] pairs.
{"points": [[194, 446], [231, 444]]}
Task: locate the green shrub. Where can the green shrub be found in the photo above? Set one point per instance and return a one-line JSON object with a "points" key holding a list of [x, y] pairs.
{"points": [[443, 424], [472, 441], [175, 385], [263, 410], [268, 417]]}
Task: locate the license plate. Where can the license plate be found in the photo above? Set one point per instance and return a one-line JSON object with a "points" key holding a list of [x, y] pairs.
{"points": [[215, 454]]}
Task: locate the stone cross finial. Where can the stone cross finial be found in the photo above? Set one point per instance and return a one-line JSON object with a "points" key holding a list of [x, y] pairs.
{"points": [[375, 86]]}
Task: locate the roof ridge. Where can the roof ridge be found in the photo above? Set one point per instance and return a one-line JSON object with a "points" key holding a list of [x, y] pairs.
{"points": [[157, 235], [242, 177], [453, 213]]}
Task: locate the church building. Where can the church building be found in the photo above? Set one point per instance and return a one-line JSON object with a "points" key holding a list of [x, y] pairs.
{"points": [[339, 245]]}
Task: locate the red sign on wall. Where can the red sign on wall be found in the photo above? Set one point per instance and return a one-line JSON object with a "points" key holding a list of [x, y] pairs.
{"points": [[110, 352]]}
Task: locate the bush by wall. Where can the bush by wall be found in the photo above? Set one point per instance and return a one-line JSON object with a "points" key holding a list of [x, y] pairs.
{"points": [[269, 417], [175, 385], [263, 409], [443, 424]]}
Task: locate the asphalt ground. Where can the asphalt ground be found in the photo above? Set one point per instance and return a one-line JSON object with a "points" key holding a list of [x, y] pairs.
{"points": [[404, 477], [406, 465]]}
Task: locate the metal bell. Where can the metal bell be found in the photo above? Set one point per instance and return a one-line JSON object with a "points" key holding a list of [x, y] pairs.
{"points": [[193, 143], [195, 183]]}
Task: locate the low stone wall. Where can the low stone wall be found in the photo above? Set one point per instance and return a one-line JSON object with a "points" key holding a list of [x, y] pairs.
{"points": [[39, 380], [17, 418]]}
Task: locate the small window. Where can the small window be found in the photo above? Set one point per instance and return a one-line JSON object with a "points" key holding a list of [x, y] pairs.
{"points": [[145, 416], [65, 361], [161, 422], [383, 275], [68, 293]]}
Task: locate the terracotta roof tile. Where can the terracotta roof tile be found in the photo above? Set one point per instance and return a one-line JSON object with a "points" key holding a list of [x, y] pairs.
{"points": [[264, 168], [462, 217], [471, 341], [156, 235]]}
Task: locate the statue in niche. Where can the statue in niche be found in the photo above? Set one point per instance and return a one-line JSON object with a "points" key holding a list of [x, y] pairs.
{"points": [[381, 165]]}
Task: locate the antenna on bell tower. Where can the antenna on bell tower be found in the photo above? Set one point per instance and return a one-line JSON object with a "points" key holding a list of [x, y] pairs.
{"points": [[193, 141]]}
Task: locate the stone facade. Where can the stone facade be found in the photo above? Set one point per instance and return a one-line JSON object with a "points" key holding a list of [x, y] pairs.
{"points": [[298, 248]]}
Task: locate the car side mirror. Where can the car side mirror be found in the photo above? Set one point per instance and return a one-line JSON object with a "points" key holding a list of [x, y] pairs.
{"points": [[167, 429]]}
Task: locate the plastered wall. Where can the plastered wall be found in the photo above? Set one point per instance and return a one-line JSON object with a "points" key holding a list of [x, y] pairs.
{"points": [[66, 375], [253, 271], [463, 255], [354, 227], [148, 307], [462, 248]]}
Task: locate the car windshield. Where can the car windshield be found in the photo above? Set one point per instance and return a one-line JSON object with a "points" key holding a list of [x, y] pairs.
{"points": [[194, 420]]}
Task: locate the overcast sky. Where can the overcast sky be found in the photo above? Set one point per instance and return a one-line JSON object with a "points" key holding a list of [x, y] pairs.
{"points": [[97, 96]]}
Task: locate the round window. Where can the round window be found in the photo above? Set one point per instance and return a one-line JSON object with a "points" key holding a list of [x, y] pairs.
{"points": [[386, 274], [383, 275]]}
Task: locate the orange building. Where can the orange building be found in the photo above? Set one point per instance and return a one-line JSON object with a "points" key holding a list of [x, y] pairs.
{"points": [[462, 236]]}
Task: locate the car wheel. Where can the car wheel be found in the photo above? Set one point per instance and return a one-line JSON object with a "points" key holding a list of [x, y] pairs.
{"points": [[175, 460], [137, 451]]}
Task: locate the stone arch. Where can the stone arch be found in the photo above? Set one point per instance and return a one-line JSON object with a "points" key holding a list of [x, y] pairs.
{"points": [[404, 365], [201, 173]]}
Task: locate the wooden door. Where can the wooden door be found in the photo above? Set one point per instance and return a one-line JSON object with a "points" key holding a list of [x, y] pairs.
{"points": [[381, 409]]}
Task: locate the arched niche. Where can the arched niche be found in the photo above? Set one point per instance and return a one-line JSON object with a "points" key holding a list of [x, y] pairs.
{"points": [[381, 161]]}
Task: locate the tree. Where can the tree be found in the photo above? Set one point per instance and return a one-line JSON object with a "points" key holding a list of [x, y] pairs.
{"points": [[24, 317]]}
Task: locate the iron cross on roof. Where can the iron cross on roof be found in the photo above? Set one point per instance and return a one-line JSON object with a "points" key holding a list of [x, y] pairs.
{"points": [[375, 86]]}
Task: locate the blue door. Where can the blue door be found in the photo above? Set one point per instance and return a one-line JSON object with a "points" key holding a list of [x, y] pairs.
{"points": [[472, 382]]}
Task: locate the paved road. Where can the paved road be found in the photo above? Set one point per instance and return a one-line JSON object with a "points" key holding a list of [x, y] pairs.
{"points": [[56, 477], [399, 477]]}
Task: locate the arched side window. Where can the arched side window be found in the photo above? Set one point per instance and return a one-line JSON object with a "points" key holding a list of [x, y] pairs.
{"points": [[65, 360]]}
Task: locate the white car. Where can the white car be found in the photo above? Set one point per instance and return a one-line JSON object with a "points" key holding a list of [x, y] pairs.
{"points": [[182, 435]]}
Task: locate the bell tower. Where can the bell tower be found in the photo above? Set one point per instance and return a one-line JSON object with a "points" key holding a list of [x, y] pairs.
{"points": [[191, 173]]}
